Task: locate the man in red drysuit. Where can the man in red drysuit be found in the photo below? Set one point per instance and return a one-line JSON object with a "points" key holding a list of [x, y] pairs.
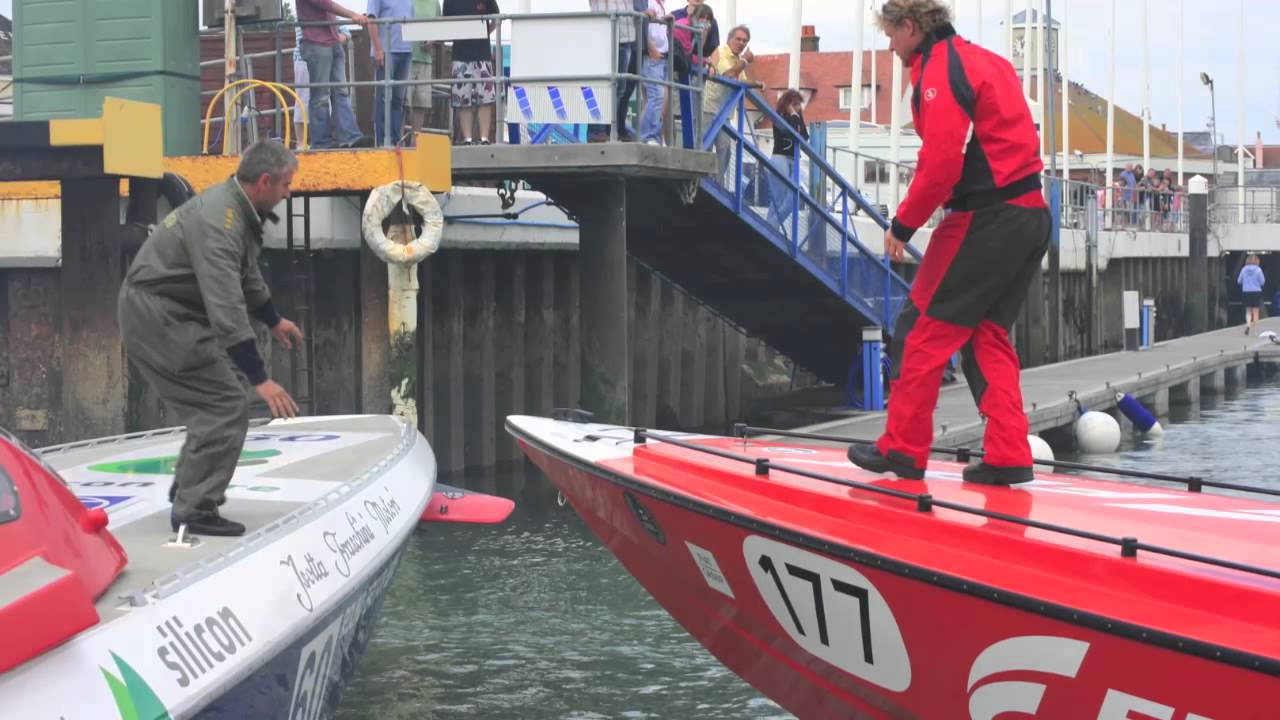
{"points": [[981, 156]]}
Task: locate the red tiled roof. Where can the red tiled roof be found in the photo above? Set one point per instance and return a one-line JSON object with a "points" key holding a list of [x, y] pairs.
{"points": [[826, 73]]}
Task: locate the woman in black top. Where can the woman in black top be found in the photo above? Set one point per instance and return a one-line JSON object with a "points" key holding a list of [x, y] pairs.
{"points": [[782, 198]]}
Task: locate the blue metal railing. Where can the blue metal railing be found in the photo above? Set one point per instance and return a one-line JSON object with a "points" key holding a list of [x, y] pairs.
{"points": [[811, 218]]}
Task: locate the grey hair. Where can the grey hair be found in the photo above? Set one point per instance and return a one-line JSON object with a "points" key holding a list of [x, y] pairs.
{"points": [[745, 31], [265, 157]]}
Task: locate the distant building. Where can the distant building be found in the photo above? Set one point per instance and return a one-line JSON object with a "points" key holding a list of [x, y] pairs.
{"points": [[825, 83]]}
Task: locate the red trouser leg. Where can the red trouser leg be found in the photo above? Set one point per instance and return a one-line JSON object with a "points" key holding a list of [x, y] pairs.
{"points": [[1005, 438], [914, 394]]}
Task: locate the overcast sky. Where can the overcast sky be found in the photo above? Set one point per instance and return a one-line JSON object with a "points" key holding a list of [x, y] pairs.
{"points": [[1212, 44]]}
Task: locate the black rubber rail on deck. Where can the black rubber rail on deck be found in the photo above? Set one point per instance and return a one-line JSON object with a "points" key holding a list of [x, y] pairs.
{"points": [[924, 502], [1194, 484]]}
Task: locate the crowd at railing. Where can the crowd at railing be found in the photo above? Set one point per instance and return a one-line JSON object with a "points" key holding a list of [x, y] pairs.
{"points": [[656, 57], [1139, 211]]}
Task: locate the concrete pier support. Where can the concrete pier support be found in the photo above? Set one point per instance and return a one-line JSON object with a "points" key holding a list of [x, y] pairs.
{"points": [[604, 303], [1157, 402], [1186, 394], [1213, 383], [1234, 378]]}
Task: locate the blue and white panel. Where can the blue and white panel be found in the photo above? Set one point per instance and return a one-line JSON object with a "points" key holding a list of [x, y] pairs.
{"points": [[560, 103]]}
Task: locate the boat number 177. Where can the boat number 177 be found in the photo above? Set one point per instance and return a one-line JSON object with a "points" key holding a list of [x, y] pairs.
{"points": [[819, 606], [830, 609]]}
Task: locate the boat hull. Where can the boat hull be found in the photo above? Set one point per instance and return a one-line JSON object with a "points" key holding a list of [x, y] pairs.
{"points": [[269, 625], [830, 631], [308, 677]]}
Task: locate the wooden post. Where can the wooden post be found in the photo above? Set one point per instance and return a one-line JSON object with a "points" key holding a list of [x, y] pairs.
{"points": [[230, 123]]}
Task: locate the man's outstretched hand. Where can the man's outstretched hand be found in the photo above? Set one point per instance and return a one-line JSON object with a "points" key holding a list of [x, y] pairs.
{"points": [[287, 333], [277, 399], [894, 249]]}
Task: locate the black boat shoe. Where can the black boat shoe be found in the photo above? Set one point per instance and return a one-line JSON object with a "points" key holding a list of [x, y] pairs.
{"points": [[207, 522], [868, 457], [985, 474]]}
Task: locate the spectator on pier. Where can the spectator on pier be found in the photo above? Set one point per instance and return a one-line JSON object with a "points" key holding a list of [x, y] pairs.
{"points": [[599, 132], [781, 196], [710, 38], [732, 60], [300, 77], [473, 101], [1130, 180], [1251, 282], [654, 69], [1164, 204], [326, 58], [390, 54], [422, 69], [701, 16]]}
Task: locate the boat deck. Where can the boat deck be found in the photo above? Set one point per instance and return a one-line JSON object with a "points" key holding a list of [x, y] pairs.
{"points": [[285, 468], [1157, 557]]}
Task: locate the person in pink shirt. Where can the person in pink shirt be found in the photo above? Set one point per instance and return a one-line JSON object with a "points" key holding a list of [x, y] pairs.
{"points": [[326, 61]]}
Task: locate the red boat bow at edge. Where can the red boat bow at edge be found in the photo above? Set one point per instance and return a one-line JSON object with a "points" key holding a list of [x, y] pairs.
{"points": [[842, 594]]}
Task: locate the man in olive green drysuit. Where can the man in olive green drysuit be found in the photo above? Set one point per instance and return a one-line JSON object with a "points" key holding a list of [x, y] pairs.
{"points": [[184, 313]]}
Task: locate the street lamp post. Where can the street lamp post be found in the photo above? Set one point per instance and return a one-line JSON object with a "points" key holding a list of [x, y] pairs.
{"points": [[1213, 123]]}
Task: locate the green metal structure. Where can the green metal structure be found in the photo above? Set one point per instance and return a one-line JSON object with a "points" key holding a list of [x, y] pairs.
{"points": [[69, 54]]}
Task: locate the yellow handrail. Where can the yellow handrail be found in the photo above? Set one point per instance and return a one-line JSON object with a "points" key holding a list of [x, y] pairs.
{"points": [[273, 87], [297, 102]]}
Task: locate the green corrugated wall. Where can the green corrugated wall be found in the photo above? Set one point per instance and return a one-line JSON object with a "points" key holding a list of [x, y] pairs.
{"points": [[153, 42]]}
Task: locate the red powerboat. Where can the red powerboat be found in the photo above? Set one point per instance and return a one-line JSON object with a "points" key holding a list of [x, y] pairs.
{"points": [[842, 594]]}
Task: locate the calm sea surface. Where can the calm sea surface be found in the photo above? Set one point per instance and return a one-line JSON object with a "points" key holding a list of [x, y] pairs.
{"points": [[536, 620]]}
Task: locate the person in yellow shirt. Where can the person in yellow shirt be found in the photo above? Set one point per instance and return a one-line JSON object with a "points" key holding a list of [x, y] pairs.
{"points": [[731, 60]]}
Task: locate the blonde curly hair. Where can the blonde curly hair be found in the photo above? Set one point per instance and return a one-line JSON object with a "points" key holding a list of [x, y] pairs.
{"points": [[928, 15]]}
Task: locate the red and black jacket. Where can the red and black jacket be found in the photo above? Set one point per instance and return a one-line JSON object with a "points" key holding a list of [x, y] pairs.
{"points": [[980, 143]]}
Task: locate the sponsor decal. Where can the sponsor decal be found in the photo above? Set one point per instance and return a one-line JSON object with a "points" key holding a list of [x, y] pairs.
{"points": [[1036, 653], [134, 698], [102, 502], [292, 437], [646, 518], [192, 651], [167, 464], [710, 569], [320, 660], [1047, 655], [930, 94], [313, 569], [830, 610]]}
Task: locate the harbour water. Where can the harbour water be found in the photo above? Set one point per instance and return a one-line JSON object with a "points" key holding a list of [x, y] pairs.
{"points": [[536, 620]]}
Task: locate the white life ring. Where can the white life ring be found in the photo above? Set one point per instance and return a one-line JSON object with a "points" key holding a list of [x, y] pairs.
{"points": [[381, 202]]}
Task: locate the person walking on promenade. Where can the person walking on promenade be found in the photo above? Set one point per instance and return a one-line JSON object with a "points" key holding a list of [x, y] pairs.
{"points": [[1251, 282], [981, 157], [184, 311]]}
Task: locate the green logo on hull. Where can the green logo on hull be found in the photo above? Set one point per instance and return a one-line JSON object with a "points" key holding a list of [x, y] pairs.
{"points": [[167, 465], [134, 697]]}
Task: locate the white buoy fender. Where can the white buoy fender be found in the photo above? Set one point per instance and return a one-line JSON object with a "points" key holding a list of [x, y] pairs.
{"points": [[382, 200], [1097, 433], [1040, 449]]}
